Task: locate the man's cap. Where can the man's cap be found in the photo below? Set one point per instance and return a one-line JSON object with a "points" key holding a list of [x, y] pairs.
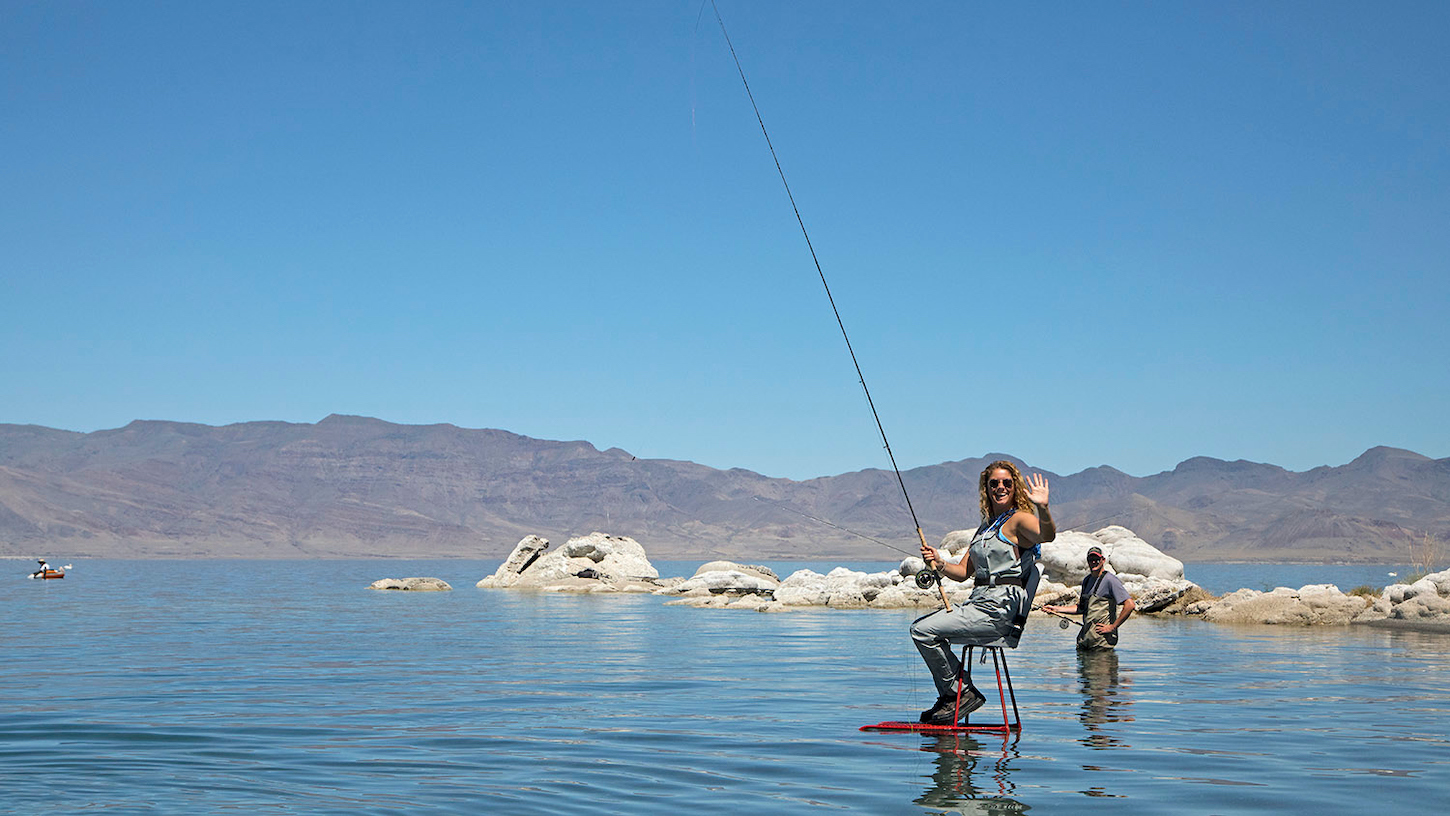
{"points": [[1095, 551]]}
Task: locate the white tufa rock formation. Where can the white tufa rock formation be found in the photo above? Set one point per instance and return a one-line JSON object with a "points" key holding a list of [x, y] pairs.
{"points": [[1313, 604], [593, 563], [412, 584], [1425, 604], [1065, 558], [726, 578], [726, 585]]}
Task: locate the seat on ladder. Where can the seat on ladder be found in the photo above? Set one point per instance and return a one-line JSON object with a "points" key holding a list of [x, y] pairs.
{"points": [[1005, 691], [997, 651]]}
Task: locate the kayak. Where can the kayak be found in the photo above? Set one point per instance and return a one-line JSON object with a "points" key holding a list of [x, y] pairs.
{"points": [[50, 573]]}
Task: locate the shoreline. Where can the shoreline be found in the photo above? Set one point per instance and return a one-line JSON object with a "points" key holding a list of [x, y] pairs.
{"points": [[602, 563], [70, 555]]}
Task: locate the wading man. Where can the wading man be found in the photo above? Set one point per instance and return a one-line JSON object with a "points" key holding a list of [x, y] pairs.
{"points": [[1103, 603]]}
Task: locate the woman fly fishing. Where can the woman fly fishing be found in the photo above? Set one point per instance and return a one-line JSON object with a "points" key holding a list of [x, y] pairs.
{"points": [[1015, 521]]}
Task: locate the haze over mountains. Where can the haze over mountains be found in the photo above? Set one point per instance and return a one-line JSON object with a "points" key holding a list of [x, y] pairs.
{"points": [[358, 487]]}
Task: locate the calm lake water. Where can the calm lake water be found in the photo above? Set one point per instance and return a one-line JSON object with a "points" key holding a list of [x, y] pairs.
{"points": [[282, 687]]}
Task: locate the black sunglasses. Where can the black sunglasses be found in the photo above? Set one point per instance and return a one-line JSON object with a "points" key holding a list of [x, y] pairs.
{"points": [[1002, 482]]}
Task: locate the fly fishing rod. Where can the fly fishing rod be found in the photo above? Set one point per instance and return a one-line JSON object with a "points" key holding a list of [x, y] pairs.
{"points": [[839, 322]]}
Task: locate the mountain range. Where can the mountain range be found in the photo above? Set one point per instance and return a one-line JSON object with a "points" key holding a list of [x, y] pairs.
{"points": [[359, 487]]}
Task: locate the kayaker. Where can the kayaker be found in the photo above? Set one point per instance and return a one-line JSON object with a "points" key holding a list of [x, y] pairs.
{"points": [[1103, 603], [40, 573]]}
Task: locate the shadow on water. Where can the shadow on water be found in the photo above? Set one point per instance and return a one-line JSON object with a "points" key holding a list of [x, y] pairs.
{"points": [[970, 776]]}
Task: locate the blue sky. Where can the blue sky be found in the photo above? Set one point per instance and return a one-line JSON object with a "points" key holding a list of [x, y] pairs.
{"points": [[1082, 234]]}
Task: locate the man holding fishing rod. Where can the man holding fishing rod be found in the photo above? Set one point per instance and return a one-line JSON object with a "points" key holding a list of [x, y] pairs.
{"points": [[1014, 521], [1103, 603]]}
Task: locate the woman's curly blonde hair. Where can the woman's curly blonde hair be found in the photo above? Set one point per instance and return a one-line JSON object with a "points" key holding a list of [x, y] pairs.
{"points": [[1019, 489]]}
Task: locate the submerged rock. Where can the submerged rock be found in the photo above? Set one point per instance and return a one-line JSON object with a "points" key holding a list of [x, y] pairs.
{"points": [[412, 584]]}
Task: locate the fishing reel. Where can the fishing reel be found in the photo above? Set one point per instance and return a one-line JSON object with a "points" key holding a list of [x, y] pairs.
{"points": [[1063, 623], [927, 578]]}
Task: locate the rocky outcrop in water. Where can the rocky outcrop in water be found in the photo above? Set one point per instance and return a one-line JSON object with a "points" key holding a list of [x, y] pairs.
{"points": [[1065, 559], [1154, 580], [1314, 604], [727, 585], [412, 584], [727, 578], [1156, 594], [605, 563], [524, 554], [593, 563], [1424, 605], [841, 588]]}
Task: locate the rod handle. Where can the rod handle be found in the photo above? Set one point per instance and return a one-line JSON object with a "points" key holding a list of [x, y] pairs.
{"points": [[940, 584]]}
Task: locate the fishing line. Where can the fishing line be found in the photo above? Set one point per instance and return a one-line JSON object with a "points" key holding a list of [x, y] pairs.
{"points": [[839, 322], [1090, 523], [693, 100], [837, 526]]}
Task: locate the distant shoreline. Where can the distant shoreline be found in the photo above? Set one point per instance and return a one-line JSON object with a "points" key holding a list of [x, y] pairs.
{"points": [[350, 486]]}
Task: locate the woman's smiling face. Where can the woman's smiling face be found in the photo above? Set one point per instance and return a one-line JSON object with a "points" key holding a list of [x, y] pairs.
{"points": [[1000, 488]]}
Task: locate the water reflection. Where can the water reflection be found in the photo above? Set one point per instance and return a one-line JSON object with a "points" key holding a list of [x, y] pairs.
{"points": [[1104, 699], [969, 777]]}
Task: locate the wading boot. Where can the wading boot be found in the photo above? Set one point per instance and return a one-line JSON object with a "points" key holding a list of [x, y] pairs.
{"points": [[943, 713], [972, 699]]}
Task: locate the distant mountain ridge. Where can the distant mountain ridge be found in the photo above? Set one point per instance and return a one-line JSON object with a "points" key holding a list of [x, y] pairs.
{"points": [[355, 486]]}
